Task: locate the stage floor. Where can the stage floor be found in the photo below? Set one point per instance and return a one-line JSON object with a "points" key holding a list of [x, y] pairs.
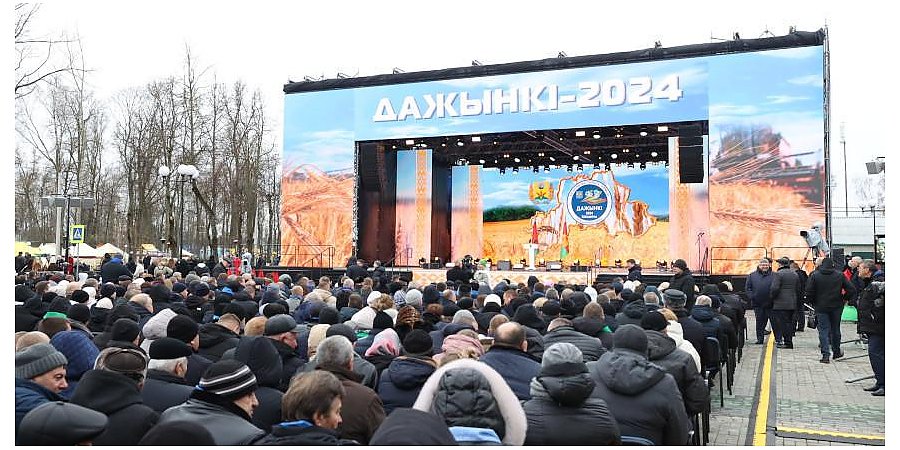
{"points": [[425, 276]]}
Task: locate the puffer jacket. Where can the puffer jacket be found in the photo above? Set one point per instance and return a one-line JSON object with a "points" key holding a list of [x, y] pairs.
{"points": [[516, 367], [119, 397], [642, 397], [216, 340], [785, 289], [591, 347], [30, 395], [759, 288], [226, 422], [480, 399], [676, 333], [401, 382], [260, 356], [562, 412], [823, 289], [680, 365], [871, 309]]}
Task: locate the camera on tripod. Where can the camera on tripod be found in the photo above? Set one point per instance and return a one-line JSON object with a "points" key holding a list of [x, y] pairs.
{"points": [[814, 240]]}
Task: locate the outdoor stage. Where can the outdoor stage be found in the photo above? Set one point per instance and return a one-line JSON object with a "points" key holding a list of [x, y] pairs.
{"points": [[653, 276]]}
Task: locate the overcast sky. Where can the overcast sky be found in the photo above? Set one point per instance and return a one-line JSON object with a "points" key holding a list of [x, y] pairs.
{"points": [[267, 43]]}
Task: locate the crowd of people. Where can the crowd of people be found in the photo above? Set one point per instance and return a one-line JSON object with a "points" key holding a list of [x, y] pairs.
{"points": [[218, 358]]}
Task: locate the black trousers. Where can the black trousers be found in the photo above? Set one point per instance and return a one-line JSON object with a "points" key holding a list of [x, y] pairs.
{"points": [[784, 321], [799, 319]]}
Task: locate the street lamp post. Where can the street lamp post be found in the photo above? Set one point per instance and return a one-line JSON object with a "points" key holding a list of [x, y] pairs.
{"points": [[185, 173], [871, 207]]}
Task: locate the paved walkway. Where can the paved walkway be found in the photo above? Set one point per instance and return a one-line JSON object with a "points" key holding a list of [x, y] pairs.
{"points": [[807, 396]]}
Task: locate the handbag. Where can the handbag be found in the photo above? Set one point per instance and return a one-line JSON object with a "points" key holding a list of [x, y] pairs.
{"points": [[811, 321]]}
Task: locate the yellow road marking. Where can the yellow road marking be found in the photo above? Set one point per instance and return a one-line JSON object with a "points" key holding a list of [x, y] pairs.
{"points": [[762, 408], [830, 433]]}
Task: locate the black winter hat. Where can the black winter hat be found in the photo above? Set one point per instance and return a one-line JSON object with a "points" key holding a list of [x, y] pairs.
{"points": [[405, 426], [630, 337], [125, 330], [169, 348], [38, 359], [465, 303], [108, 290], [177, 433], [201, 289], [551, 309], [655, 321], [680, 263], [674, 297], [228, 378], [183, 328], [418, 343], [450, 309], [80, 296], [329, 316], [60, 423], [178, 288], [59, 304], [341, 330], [79, 312], [272, 309], [382, 321]]}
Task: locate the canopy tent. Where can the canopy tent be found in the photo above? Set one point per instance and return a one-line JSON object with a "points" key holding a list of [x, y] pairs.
{"points": [[149, 248], [47, 249], [109, 248], [25, 247], [83, 251], [186, 254]]}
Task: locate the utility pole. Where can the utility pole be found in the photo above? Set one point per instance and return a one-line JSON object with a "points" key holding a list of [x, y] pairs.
{"points": [[844, 145]]}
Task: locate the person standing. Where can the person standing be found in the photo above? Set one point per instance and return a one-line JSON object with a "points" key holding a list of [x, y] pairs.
{"points": [[785, 291], [871, 322], [824, 292], [683, 281], [759, 290], [799, 316]]}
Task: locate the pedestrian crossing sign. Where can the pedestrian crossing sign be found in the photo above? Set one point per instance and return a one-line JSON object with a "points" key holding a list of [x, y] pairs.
{"points": [[76, 234]]}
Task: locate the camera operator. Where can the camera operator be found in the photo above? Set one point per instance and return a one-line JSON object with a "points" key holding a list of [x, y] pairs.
{"points": [[871, 321]]}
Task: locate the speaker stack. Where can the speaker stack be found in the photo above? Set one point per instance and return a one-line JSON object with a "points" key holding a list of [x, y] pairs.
{"points": [[690, 154]]}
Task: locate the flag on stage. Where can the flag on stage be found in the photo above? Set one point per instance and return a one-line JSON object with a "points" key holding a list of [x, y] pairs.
{"points": [[534, 233]]}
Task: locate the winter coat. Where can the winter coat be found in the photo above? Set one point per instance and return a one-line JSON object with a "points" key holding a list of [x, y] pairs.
{"points": [[823, 289], [163, 390], [759, 288], [291, 362], [215, 340], [30, 395], [197, 364], [197, 307], [675, 332], [726, 326], [474, 395], [347, 312], [678, 363], [684, 283], [302, 433], [707, 318], [871, 309], [634, 273], [119, 397], [144, 314], [361, 367], [97, 324], [258, 353], [438, 336], [632, 313], [226, 422], [562, 412], [591, 347], [515, 366], [692, 330], [734, 309], [111, 271], [535, 343], [527, 315], [594, 328], [785, 289], [642, 397], [25, 321], [400, 383], [361, 410]]}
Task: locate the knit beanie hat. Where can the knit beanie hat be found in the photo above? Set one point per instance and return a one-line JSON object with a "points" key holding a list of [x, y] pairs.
{"points": [[551, 309], [80, 296], [382, 321], [329, 316], [79, 312], [228, 378], [465, 303], [562, 358], [38, 359], [183, 328], [493, 298], [342, 330], [79, 350], [414, 298], [124, 329], [418, 343], [655, 321], [630, 337], [169, 348], [464, 317]]}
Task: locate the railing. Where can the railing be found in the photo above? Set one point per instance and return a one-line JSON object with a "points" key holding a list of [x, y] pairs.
{"points": [[803, 256], [304, 255], [713, 259]]}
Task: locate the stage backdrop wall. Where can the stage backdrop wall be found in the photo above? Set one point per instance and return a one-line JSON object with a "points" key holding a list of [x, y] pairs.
{"points": [[765, 156]]}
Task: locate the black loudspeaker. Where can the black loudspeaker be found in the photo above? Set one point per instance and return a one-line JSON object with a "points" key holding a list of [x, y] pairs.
{"points": [[504, 264], [690, 154], [837, 255]]}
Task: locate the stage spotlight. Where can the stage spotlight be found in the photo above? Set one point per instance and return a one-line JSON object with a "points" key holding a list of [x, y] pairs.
{"points": [[410, 141], [587, 152], [495, 142], [618, 135], [560, 138], [552, 159], [654, 154], [506, 155], [480, 161], [541, 154], [579, 133], [614, 156], [443, 144], [643, 165], [517, 160], [575, 157], [662, 128], [495, 161], [643, 133], [394, 147], [596, 135], [625, 151]]}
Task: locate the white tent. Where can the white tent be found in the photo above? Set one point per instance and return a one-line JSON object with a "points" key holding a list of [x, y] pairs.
{"points": [[48, 249], [83, 251], [186, 254], [109, 248]]}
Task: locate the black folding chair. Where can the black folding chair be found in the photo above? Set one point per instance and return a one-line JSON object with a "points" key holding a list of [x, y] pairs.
{"points": [[712, 364]]}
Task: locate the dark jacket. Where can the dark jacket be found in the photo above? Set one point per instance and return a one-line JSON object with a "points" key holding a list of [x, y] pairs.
{"points": [[119, 397], [693, 330], [515, 366], [197, 364], [30, 395], [361, 409], [681, 366], [684, 283], [401, 382], [197, 307], [823, 289], [562, 412], [215, 340], [437, 336], [871, 309], [785, 289], [594, 328], [111, 271], [361, 367], [25, 320], [258, 353], [642, 397], [357, 273], [708, 320], [729, 330], [226, 422], [535, 343], [302, 433], [97, 324], [634, 273], [734, 309], [759, 288], [291, 362], [163, 390], [632, 313], [591, 347]]}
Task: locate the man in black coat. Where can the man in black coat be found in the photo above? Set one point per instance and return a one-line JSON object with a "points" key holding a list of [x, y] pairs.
{"points": [[356, 270], [678, 363], [785, 292], [111, 271], [634, 271], [260, 356], [165, 386], [683, 281], [871, 321], [562, 330], [114, 388], [183, 328], [282, 329], [218, 337], [693, 330], [759, 291], [507, 356], [824, 290]]}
